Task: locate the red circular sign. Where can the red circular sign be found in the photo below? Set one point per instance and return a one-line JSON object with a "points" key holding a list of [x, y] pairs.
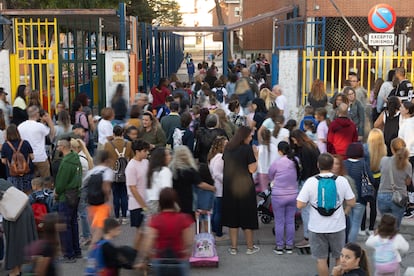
{"points": [[382, 18]]}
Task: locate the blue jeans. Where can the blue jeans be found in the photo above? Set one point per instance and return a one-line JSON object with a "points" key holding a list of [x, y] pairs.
{"points": [[385, 205], [69, 238], [216, 219], [170, 267], [284, 208], [355, 219], [83, 215], [120, 198], [305, 215]]}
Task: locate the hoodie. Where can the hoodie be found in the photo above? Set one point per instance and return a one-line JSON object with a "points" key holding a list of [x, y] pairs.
{"points": [[342, 132], [69, 175]]}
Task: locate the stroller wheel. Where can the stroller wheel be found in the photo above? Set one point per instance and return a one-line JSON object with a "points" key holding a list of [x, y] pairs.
{"points": [[266, 219]]}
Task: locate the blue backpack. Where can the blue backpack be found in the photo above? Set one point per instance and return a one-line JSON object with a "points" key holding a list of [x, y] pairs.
{"points": [[326, 195], [95, 264], [219, 94]]}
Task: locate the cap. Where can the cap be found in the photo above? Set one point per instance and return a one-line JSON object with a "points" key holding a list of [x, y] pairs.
{"points": [[75, 126], [3, 92]]}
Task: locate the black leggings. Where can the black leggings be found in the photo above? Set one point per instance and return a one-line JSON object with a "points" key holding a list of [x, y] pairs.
{"points": [[372, 208]]}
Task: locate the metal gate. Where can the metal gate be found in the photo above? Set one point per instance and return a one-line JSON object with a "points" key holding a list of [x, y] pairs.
{"points": [[35, 58]]}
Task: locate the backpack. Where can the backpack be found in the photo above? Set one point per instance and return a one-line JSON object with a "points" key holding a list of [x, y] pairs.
{"points": [[95, 264], [178, 137], [95, 193], [39, 208], [326, 195], [386, 260], [120, 164], [219, 94], [19, 165]]}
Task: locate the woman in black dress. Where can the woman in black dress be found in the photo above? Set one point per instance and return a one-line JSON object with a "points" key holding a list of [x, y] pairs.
{"points": [[239, 196]]}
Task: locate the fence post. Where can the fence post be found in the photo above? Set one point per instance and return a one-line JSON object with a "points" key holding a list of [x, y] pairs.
{"points": [[225, 51], [275, 68], [122, 26]]}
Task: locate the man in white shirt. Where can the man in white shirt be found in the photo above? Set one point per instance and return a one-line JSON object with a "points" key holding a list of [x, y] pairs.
{"points": [[3, 106], [35, 133], [326, 233], [281, 101]]}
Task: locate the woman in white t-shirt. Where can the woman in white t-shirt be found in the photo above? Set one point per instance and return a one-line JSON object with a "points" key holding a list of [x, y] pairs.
{"points": [[105, 128], [159, 177]]}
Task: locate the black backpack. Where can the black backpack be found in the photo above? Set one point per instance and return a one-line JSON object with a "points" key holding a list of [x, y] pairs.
{"points": [[120, 164], [95, 194]]}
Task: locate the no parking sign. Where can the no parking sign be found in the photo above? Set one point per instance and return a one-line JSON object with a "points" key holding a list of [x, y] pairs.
{"points": [[382, 18]]}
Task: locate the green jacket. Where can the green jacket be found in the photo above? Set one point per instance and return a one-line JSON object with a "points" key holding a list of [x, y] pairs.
{"points": [[69, 175]]}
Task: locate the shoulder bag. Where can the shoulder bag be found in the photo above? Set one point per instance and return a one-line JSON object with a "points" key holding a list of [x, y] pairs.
{"points": [[12, 203], [400, 198], [367, 189]]}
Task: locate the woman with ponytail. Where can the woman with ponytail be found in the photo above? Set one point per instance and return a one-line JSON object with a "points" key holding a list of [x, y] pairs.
{"points": [[284, 173], [395, 169], [353, 262]]}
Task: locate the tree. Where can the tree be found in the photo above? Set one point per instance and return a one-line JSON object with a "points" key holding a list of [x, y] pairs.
{"points": [[142, 10], [219, 13], [166, 12]]}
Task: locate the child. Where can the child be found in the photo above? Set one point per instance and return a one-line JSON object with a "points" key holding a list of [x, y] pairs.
{"points": [[388, 245], [41, 202], [322, 129], [267, 154], [309, 115], [310, 130], [219, 91], [131, 133]]}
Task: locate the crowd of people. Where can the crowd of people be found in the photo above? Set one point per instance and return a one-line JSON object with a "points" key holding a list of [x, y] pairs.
{"points": [[183, 150]]}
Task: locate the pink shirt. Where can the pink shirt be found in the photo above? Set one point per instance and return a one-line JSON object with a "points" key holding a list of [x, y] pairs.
{"points": [[136, 175]]}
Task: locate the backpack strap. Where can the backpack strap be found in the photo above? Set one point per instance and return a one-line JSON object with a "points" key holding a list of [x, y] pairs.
{"points": [[120, 154], [20, 145], [12, 147]]}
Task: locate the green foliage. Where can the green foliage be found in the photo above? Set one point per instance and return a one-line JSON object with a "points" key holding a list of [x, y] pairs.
{"points": [[166, 12]]}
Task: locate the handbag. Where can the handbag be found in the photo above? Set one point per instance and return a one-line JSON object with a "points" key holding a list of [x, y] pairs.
{"points": [[367, 189], [399, 198], [12, 203], [72, 197]]}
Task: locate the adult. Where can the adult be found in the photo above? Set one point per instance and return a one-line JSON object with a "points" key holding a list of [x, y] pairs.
{"points": [[385, 91], [307, 152], [374, 150], [356, 167], [396, 174], [4, 105], [170, 122], [267, 95], [97, 214], [224, 123], [373, 98], [86, 109], [134, 117], [404, 89], [281, 101], [186, 178], [187, 138], [35, 133], [118, 148], [356, 111], [119, 105], [245, 74], [326, 233], [105, 127], [284, 173], [317, 96], [179, 92], [63, 126], [19, 234], [341, 132], [190, 70], [142, 101], [19, 105], [210, 77], [353, 262], [160, 92], [169, 231], [260, 111], [234, 116], [136, 179], [239, 195], [231, 85], [360, 92], [205, 137], [340, 98], [159, 176], [151, 132], [68, 179], [79, 117], [389, 121], [13, 140], [246, 89]]}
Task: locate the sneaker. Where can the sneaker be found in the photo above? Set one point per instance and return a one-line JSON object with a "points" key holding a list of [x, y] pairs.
{"points": [[84, 242], [78, 256], [362, 233], [67, 260], [253, 250], [303, 243], [370, 232], [409, 214], [222, 238], [124, 220], [289, 250], [232, 251], [278, 250]]}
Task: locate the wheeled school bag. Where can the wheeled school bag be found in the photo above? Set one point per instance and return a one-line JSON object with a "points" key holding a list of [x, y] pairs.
{"points": [[204, 251]]}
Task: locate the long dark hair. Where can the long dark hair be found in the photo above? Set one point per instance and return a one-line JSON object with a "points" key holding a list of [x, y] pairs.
{"points": [[261, 105], [361, 254], [285, 148], [20, 91], [75, 107], [238, 139], [156, 162], [119, 91], [393, 106], [302, 139]]}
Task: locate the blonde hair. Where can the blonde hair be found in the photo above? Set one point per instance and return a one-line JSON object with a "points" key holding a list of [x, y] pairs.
{"points": [[242, 86], [376, 148], [79, 145], [267, 96], [182, 160]]}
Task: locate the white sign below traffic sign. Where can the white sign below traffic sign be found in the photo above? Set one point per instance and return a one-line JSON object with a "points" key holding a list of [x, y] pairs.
{"points": [[381, 39]]}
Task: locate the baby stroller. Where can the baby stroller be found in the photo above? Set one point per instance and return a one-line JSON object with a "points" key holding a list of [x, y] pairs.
{"points": [[264, 206]]}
